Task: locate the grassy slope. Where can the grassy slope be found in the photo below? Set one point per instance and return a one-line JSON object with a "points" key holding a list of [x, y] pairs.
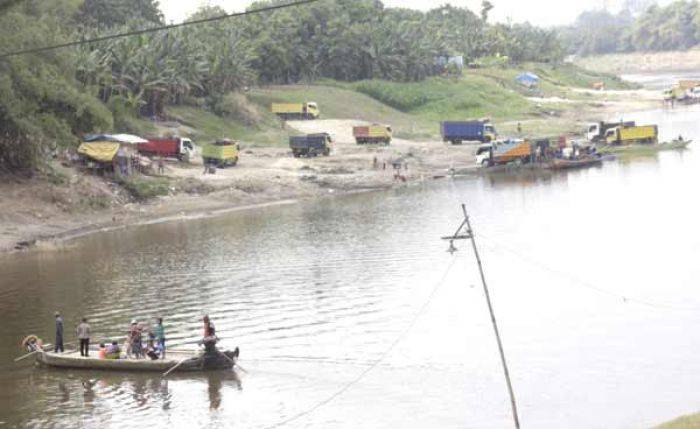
{"points": [[209, 127], [414, 109], [685, 422], [339, 102]]}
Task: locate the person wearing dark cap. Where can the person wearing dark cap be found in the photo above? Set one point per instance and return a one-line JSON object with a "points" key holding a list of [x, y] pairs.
{"points": [[58, 344]]}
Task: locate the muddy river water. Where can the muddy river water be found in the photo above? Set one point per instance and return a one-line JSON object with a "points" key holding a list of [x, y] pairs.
{"points": [[594, 277]]}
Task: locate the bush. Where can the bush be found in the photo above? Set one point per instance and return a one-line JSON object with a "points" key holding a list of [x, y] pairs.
{"points": [[237, 106], [145, 188]]}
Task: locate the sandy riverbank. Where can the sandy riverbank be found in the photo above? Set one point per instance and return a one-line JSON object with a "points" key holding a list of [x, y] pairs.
{"points": [[36, 212]]}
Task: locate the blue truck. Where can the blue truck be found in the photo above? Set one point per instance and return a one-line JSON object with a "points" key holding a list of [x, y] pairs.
{"points": [[457, 132]]}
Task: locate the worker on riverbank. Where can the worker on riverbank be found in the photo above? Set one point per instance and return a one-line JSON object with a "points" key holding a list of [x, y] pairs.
{"points": [[58, 344], [83, 332]]}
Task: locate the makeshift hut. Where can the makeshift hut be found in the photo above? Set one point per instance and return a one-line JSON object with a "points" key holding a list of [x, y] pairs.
{"points": [[115, 151], [528, 79]]}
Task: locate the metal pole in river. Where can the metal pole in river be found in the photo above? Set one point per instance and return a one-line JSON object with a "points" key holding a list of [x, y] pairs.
{"points": [[470, 235]]}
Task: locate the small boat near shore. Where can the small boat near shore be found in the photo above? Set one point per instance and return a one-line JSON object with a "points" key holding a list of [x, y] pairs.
{"points": [[177, 360], [645, 149], [566, 164]]}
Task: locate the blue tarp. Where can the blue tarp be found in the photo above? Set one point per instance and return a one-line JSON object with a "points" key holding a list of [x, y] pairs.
{"points": [[528, 79]]}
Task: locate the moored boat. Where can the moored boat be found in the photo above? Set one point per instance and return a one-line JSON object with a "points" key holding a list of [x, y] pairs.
{"points": [[564, 164]]}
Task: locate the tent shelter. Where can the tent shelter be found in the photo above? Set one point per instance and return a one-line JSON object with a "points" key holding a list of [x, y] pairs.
{"points": [[528, 79]]}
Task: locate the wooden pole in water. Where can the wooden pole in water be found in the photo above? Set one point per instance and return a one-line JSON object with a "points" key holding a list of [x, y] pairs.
{"points": [[513, 405], [165, 374]]}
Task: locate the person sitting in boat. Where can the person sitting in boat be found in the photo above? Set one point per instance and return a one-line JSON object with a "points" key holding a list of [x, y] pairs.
{"points": [[112, 351], [102, 352], [150, 347]]}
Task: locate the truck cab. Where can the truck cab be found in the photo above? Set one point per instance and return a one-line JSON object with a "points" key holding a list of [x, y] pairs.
{"points": [[490, 133], [187, 149], [611, 135], [312, 111], [593, 131], [483, 154]]}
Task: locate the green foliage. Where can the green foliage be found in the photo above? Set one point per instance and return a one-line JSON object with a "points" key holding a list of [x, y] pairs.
{"points": [[145, 188], [110, 13], [41, 108], [675, 26]]}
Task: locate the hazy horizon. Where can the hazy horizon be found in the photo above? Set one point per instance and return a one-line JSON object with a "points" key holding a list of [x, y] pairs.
{"points": [[558, 13]]}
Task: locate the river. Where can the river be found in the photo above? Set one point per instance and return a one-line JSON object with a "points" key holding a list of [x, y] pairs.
{"points": [[593, 276]]}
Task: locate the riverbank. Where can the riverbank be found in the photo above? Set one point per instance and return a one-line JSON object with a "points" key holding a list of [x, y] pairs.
{"points": [[68, 203], [643, 62]]}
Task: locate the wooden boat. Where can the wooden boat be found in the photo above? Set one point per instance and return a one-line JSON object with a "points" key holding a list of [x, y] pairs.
{"points": [[185, 360], [565, 164], [645, 149]]}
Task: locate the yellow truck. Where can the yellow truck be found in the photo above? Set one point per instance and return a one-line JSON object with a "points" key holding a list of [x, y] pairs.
{"points": [[308, 110], [642, 134], [374, 133], [221, 153]]}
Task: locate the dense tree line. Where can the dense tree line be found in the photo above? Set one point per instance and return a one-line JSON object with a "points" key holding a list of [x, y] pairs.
{"points": [[640, 26], [48, 99]]}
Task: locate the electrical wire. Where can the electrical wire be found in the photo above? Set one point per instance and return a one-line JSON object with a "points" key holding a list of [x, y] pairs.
{"points": [[376, 362], [156, 29]]}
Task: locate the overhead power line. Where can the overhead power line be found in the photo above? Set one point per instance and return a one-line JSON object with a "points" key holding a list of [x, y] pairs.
{"points": [[156, 29]]}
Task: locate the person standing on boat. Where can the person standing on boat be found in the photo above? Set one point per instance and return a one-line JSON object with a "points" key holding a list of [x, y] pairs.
{"points": [[58, 344], [135, 339], [159, 332], [83, 332], [209, 340]]}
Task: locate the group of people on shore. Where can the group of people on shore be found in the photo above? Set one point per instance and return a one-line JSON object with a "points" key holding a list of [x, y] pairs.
{"points": [[134, 347]]}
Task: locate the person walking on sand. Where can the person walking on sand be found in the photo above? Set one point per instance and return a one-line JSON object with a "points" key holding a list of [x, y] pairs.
{"points": [[161, 166], [83, 332], [58, 344]]}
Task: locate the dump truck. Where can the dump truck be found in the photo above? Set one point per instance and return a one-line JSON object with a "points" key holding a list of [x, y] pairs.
{"points": [[168, 147], [310, 145], [457, 132], [375, 133], [222, 153], [503, 152], [644, 134], [595, 132], [308, 110]]}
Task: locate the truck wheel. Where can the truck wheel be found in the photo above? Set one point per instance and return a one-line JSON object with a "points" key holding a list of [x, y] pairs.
{"points": [[234, 162], [326, 152], [485, 163]]}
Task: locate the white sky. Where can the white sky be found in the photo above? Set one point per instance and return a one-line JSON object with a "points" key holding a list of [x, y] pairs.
{"points": [[539, 12]]}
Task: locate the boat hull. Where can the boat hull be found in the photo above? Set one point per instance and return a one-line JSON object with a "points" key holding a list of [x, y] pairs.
{"points": [[566, 164], [193, 361]]}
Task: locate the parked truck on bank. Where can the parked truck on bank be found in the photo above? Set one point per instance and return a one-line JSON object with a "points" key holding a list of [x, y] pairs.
{"points": [[168, 147], [596, 132], [504, 151], [222, 153], [374, 133], [643, 134], [308, 110], [311, 145], [457, 132]]}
